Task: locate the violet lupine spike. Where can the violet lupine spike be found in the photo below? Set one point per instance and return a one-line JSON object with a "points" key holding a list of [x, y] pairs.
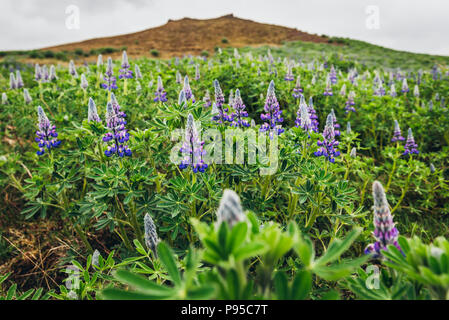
{"points": [[416, 91], [160, 94], [404, 86], [19, 81], [303, 117], [187, 90], [222, 116], [37, 72], [192, 148], [397, 133], [230, 210], [46, 135], [117, 134], [289, 75], [333, 75], [151, 238], [297, 90], [12, 81], [349, 107], [84, 84], [125, 72], [313, 116], [197, 72], [111, 81], [410, 146], [336, 125], [92, 114], [72, 69], [273, 114], [380, 91], [328, 89], [328, 147], [385, 231], [44, 74], [240, 113], [207, 102], [138, 72], [53, 75], [26, 96]]}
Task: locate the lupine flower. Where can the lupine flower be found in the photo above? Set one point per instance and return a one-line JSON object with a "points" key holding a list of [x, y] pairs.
{"points": [[12, 81], [4, 98], [99, 61], [253, 123], [197, 72], [410, 145], [231, 98], [397, 133], [353, 153], [178, 77], [404, 86], [150, 84], [393, 90], [52, 73], [95, 258], [26, 96], [432, 168], [72, 69], [385, 231], [111, 81], [117, 132], [46, 135], [333, 75], [182, 98], [187, 90], [328, 147], [160, 94], [313, 116], [350, 103], [297, 90], [84, 84], [138, 73], [92, 114], [138, 87], [416, 91], [37, 72], [273, 114], [336, 125], [343, 90], [151, 239], [207, 101], [19, 81], [230, 210], [240, 113], [222, 116], [328, 89], [289, 75], [44, 74], [125, 72], [192, 148], [348, 127], [303, 117]]}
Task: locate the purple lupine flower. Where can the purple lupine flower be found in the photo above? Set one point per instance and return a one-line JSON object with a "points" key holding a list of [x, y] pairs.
{"points": [[289, 75], [273, 114], [328, 89], [397, 132], [328, 147], [410, 145], [313, 116], [350, 102], [380, 91], [187, 90], [404, 86], [206, 99], [333, 75], [12, 81], [240, 113], [46, 136], [37, 72], [416, 91], [385, 231], [160, 94], [125, 72], [192, 148], [303, 117], [336, 125], [19, 81], [111, 81], [52, 75], [44, 74], [117, 134], [222, 116], [72, 69], [92, 114], [297, 90]]}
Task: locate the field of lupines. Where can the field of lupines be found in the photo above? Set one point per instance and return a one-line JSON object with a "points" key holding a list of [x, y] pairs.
{"points": [[351, 202]]}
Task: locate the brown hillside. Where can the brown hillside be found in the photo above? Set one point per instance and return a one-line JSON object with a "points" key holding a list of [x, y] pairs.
{"points": [[191, 36]]}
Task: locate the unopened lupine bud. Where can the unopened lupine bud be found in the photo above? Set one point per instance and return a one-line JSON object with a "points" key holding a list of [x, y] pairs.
{"points": [[96, 258], [4, 98], [92, 114], [72, 69], [432, 168], [26, 96], [53, 75], [353, 153], [12, 81], [99, 61], [348, 127], [182, 101], [19, 81], [230, 210], [84, 84], [151, 239]]}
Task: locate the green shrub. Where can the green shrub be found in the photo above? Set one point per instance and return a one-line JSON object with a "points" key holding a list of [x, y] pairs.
{"points": [[224, 40], [154, 52]]}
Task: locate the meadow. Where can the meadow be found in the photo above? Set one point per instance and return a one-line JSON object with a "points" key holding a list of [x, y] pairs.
{"points": [[95, 207]]}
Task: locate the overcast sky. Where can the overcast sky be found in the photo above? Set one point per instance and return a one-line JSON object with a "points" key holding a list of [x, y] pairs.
{"points": [[413, 25]]}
